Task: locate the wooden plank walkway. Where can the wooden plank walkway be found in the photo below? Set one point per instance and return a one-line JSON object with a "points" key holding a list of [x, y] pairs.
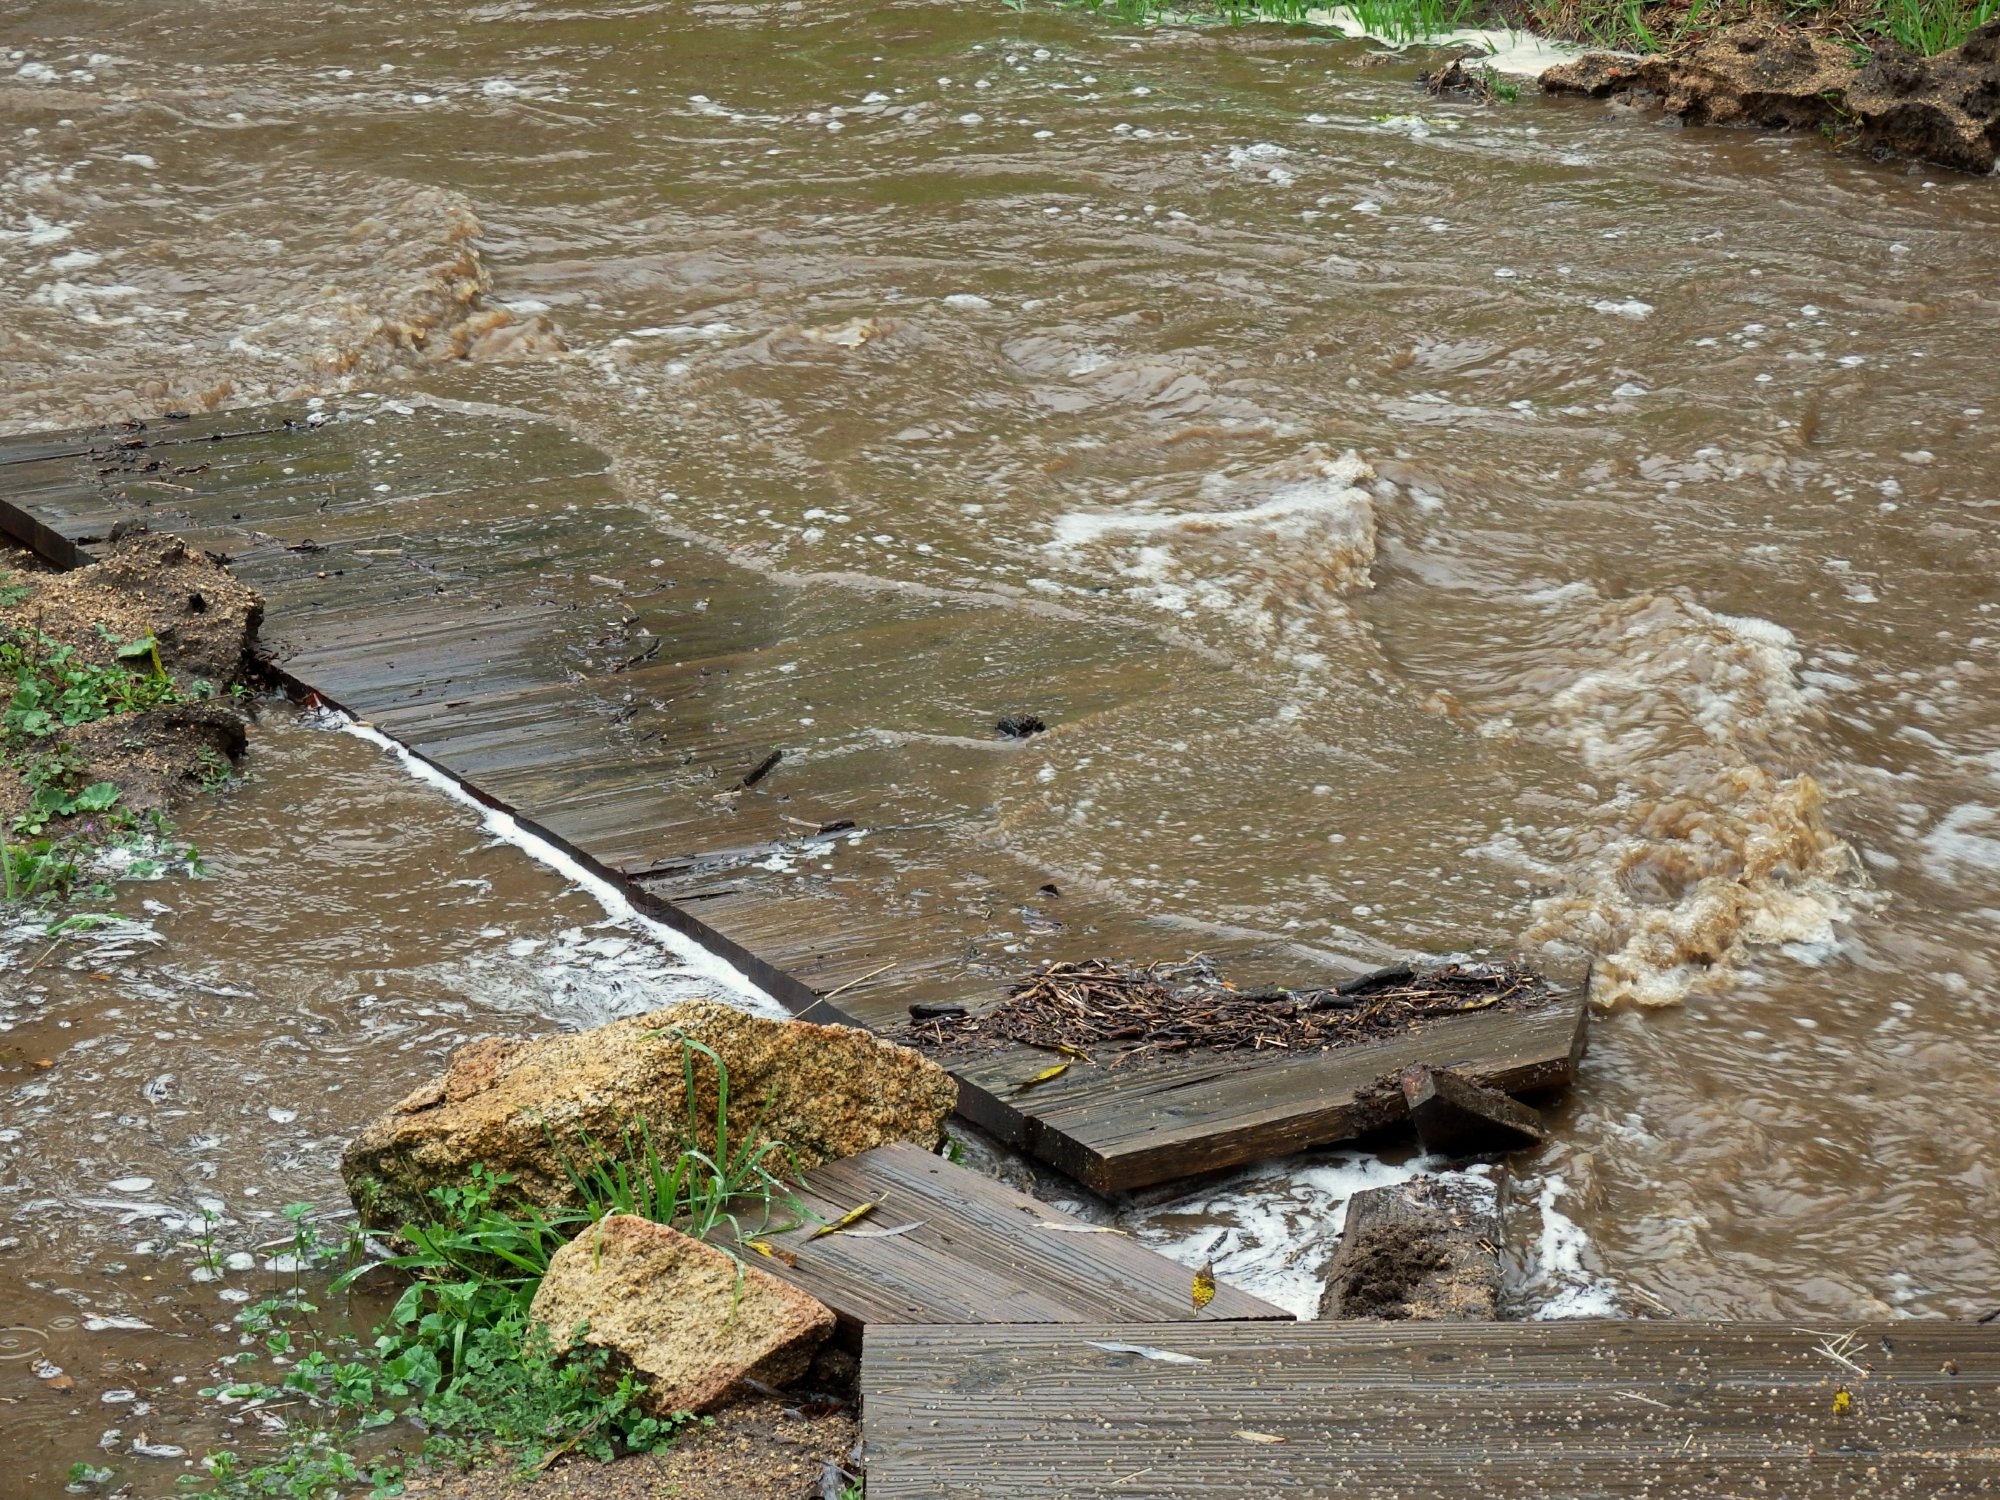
{"points": [[981, 1253], [1571, 1411], [475, 587]]}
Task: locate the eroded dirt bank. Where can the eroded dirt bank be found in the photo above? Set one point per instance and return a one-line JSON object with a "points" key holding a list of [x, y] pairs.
{"points": [[123, 685], [1943, 109]]}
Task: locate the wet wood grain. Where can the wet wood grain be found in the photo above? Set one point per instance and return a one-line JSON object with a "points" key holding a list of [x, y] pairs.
{"points": [[1572, 1410], [981, 1253]]}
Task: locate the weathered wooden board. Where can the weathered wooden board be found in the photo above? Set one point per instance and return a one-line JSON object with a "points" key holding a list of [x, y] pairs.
{"points": [[476, 588], [1568, 1410], [980, 1253], [1122, 1128]]}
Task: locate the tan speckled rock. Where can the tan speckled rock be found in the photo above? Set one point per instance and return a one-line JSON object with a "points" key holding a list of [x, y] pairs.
{"points": [[531, 1108], [676, 1311]]}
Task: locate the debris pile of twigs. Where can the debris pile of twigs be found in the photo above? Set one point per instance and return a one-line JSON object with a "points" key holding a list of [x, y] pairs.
{"points": [[1168, 1008]]}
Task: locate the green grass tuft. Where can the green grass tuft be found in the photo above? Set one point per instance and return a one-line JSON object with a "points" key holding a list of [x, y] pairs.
{"points": [[458, 1356], [1925, 27], [1928, 27], [1396, 21]]}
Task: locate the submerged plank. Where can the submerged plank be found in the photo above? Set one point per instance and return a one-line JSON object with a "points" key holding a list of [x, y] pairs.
{"points": [[1576, 1410], [947, 1245], [475, 588]]}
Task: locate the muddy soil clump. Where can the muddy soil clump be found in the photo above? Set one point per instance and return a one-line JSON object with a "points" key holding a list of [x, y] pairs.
{"points": [[123, 675], [1943, 109]]}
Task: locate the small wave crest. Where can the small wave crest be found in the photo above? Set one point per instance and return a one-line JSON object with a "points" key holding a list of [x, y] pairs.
{"points": [[1715, 839], [263, 310], [1271, 554]]}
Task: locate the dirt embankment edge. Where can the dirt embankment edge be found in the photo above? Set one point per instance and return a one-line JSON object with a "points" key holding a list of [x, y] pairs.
{"points": [[1944, 110]]}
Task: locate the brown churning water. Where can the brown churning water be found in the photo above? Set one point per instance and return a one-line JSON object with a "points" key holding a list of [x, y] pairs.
{"points": [[1560, 533]]}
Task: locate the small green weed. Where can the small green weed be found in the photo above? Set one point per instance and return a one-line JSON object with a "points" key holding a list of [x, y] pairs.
{"points": [[212, 769], [47, 688], [35, 869], [1395, 21], [54, 688], [51, 802]]}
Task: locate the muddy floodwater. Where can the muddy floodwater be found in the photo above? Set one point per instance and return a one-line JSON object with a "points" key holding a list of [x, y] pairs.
{"points": [[175, 1078], [1547, 532]]}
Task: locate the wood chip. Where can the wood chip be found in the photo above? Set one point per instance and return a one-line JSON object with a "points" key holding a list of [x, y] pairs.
{"points": [[884, 1234], [1147, 1351], [851, 1217]]}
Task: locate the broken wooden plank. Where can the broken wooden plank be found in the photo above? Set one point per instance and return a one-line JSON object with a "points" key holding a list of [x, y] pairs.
{"points": [[1457, 1118], [1427, 1249], [1116, 1129], [979, 1252], [1578, 1410]]}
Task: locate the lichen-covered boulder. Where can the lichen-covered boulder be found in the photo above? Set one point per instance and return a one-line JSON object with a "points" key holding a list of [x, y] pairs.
{"points": [[688, 1319], [537, 1110]]}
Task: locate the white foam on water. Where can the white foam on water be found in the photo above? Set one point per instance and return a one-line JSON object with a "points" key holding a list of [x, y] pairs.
{"points": [[1273, 570], [1516, 54], [1560, 1282], [1266, 160], [1269, 1230], [736, 987], [1965, 838]]}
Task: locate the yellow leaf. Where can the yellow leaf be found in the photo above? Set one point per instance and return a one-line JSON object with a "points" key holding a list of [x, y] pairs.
{"points": [[1257, 1437], [1204, 1285], [1841, 1402], [852, 1216], [772, 1252], [1046, 1074]]}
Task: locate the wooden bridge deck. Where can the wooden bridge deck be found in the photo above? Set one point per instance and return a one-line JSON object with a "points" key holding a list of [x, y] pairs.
{"points": [[1571, 1411], [474, 587], [979, 1252]]}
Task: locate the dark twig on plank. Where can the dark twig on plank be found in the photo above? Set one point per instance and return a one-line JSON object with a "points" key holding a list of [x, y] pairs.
{"points": [[759, 771]]}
